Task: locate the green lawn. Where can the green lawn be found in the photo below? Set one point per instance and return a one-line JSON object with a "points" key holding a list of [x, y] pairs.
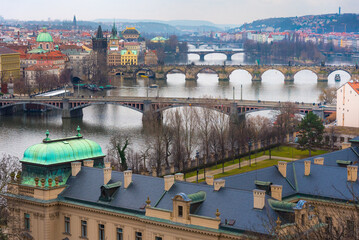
{"points": [[286, 151], [259, 165], [282, 151]]}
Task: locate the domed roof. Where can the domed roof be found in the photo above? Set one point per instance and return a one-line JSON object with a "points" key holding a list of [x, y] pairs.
{"points": [[62, 150], [44, 36], [131, 30]]}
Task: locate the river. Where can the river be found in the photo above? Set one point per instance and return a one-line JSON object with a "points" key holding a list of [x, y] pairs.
{"points": [[99, 123]]}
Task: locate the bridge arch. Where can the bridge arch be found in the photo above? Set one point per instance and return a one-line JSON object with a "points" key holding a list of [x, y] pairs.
{"points": [[174, 70], [145, 71], [215, 53], [313, 78], [136, 106], [224, 110], [206, 69], [344, 77], [268, 71], [34, 103], [242, 72]]}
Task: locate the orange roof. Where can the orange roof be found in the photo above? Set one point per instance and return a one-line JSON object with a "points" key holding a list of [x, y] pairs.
{"points": [[355, 86]]}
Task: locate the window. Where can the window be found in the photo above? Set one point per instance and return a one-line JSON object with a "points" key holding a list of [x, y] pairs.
{"points": [[180, 211], [119, 234], [83, 228], [303, 219], [350, 228], [138, 236], [27, 221], [329, 222], [101, 232], [158, 238], [67, 225]]}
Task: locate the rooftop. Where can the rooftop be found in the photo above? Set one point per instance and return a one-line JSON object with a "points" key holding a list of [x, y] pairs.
{"points": [[62, 150]]}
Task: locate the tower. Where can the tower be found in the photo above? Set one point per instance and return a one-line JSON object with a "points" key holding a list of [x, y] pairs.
{"points": [[340, 10], [74, 22], [99, 45]]}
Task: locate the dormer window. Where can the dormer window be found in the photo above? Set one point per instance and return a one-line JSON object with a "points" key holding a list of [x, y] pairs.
{"points": [[180, 211]]}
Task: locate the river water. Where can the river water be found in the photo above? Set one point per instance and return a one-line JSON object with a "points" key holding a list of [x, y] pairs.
{"points": [[99, 123]]}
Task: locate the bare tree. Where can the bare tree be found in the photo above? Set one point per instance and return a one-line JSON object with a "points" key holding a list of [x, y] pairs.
{"points": [[9, 166], [328, 95]]}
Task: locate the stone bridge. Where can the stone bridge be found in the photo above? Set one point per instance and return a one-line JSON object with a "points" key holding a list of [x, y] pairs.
{"points": [[150, 107], [224, 71], [228, 53]]}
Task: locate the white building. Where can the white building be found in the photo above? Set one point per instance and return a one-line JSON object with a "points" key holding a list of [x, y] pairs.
{"points": [[348, 105]]}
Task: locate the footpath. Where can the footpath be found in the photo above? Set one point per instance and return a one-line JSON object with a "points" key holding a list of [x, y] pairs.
{"points": [[235, 166]]}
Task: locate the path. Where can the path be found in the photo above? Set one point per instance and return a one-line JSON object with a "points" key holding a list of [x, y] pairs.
{"points": [[235, 166]]}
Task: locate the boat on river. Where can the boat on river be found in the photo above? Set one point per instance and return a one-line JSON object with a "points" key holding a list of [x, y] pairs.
{"points": [[337, 77]]}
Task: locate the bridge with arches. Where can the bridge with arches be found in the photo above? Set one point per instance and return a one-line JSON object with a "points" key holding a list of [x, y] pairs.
{"points": [[224, 71], [152, 106], [202, 53]]}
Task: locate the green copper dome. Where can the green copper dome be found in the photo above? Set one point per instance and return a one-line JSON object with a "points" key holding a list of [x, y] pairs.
{"points": [[62, 150], [44, 36]]}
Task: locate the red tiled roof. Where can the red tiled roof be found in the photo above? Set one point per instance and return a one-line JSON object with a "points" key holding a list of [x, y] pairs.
{"points": [[355, 86], [6, 50]]}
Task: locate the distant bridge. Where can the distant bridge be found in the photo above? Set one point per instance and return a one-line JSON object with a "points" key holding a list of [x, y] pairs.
{"points": [[202, 53], [152, 106], [224, 71]]}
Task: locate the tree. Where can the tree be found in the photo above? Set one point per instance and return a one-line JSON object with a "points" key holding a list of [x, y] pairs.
{"points": [[117, 151], [8, 166], [311, 132], [328, 95], [287, 119]]}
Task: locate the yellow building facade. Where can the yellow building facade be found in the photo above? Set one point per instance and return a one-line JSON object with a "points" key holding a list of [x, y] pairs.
{"points": [[129, 57], [9, 64]]}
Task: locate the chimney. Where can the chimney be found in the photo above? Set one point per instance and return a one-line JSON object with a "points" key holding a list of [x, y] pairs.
{"points": [[307, 167], [179, 177], [169, 181], [107, 165], [259, 197], [218, 184], [319, 161], [127, 175], [276, 192], [282, 167], [88, 163], [352, 173], [76, 168], [209, 180], [106, 175]]}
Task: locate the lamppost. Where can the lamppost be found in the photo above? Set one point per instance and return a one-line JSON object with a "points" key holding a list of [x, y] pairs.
{"points": [[197, 158]]}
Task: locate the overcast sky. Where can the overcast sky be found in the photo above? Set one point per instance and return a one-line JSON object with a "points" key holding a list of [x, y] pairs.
{"points": [[216, 11]]}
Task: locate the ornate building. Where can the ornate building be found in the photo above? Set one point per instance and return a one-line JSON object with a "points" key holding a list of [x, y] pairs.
{"points": [[67, 191], [130, 34], [44, 41], [114, 53], [129, 57]]}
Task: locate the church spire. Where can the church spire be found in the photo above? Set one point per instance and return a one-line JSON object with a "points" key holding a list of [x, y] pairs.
{"points": [[99, 33], [114, 30]]}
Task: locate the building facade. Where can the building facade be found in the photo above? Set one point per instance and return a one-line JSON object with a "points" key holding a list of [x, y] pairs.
{"points": [[9, 65], [347, 105], [67, 191], [129, 57]]}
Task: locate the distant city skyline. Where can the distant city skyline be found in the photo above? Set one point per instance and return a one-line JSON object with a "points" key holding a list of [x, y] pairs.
{"points": [[216, 11]]}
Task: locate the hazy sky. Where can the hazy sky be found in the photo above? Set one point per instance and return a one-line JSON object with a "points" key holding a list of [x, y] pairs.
{"points": [[217, 11]]}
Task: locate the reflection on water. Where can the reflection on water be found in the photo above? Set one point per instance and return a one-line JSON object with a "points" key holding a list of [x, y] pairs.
{"points": [[100, 122]]}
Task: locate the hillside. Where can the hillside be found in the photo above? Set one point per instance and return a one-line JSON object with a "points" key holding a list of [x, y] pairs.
{"points": [[320, 23]]}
